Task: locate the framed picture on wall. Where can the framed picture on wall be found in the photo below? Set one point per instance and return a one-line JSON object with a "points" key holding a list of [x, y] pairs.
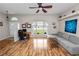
{"points": [[23, 25], [28, 25], [1, 23]]}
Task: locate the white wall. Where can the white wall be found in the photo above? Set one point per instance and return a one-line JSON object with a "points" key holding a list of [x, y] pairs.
{"points": [[4, 30], [32, 18], [76, 8], [62, 23]]}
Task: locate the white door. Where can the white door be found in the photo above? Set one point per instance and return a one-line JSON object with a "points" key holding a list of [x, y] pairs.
{"points": [[14, 27]]}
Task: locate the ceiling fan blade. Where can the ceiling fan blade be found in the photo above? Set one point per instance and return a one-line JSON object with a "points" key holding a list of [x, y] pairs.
{"points": [[49, 6], [33, 7], [37, 11], [44, 10]]}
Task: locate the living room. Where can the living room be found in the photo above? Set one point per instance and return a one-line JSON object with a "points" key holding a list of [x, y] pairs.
{"points": [[50, 27]]}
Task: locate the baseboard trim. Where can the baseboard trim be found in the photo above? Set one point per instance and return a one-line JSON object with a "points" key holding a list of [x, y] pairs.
{"points": [[5, 38]]}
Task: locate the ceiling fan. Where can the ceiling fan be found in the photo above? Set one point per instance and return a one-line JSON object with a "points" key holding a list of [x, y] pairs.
{"points": [[41, 6]]}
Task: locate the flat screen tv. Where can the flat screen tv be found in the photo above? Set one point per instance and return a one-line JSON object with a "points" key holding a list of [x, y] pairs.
{"points": [[71, 26]]}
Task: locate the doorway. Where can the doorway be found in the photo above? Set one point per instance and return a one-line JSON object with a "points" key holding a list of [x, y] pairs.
{"points": [[14, 27]]}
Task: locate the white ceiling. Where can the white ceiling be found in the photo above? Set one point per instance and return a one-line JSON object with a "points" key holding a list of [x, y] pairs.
{"points": [[23, 8]]}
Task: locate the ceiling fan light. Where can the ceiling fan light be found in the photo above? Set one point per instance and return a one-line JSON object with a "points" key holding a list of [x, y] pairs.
{"points": [[14, 19]]}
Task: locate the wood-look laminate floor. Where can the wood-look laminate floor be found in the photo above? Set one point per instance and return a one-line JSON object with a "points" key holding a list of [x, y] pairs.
{"points": [[32, 47]]}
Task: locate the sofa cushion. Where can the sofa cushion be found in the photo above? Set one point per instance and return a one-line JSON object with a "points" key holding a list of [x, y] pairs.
{"points": [[73, 39], [65, 36], [60, 34], [64, 42]]}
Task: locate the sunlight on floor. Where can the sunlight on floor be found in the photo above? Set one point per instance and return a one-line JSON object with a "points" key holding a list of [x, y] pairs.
{"points": [[40, 43]]}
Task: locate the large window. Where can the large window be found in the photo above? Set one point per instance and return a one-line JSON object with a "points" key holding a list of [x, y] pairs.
{"points": [[40, 27]]}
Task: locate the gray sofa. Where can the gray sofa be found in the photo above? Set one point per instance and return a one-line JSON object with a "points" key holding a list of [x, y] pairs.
{"points": [[69, 42]]}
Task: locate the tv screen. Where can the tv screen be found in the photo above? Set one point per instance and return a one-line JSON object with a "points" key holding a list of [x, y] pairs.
{"points": [[71, 26]]}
